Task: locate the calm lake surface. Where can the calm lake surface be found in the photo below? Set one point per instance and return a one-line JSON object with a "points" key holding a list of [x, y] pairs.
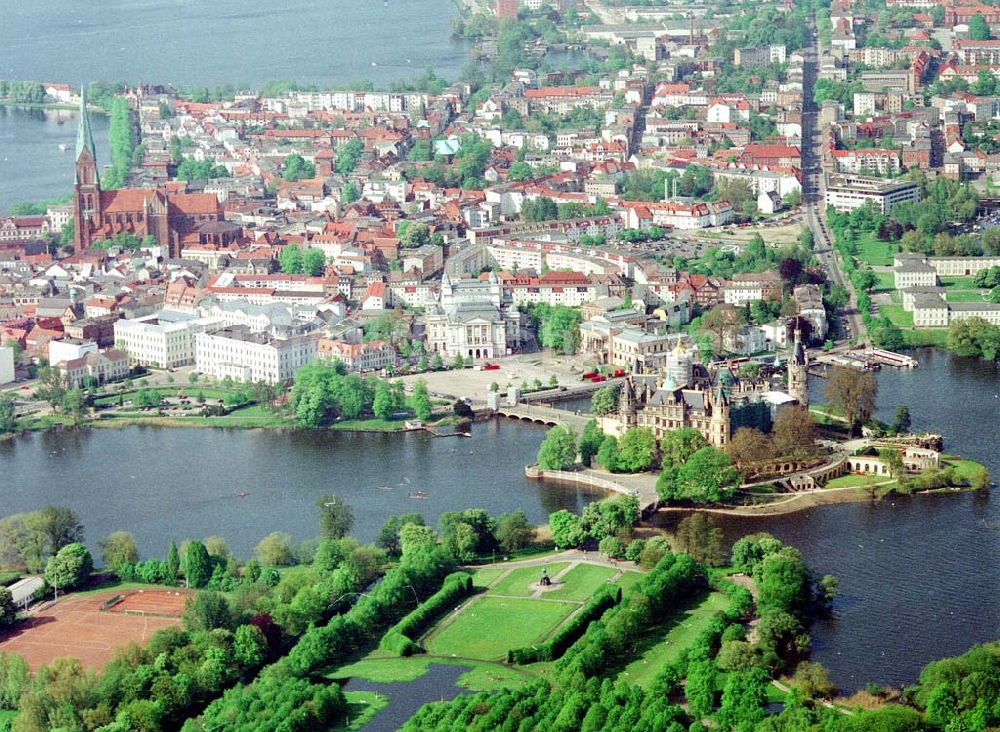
{"points": [[32, 167], [241, 42], [919, 577], [163, 484]]}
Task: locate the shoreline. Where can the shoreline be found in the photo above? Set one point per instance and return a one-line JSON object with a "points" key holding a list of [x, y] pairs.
{"points": [[788, 505]]}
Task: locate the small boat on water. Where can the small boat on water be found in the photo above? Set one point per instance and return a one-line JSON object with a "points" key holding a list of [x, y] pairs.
{"points": [[63, 147], [385, 487], [242, 494], [417, 494]]}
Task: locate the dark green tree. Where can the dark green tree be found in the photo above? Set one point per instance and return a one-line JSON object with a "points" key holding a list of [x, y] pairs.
{"points": [[197, 564], [70, 567], [173, 561], [590, 442], [514, 531], [336, 517], [558, 450]]}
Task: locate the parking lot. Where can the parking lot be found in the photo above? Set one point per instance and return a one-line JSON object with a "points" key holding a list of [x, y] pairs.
{"points": [[475, 383]]}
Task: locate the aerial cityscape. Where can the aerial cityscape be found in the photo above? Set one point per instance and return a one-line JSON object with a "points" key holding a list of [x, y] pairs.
{"points": [[500, 365]]}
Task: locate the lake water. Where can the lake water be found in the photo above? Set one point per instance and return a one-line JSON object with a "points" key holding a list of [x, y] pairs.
{"points": [[918, 576], [32, 167], [204, 44], [242, 42], [163, 484]]}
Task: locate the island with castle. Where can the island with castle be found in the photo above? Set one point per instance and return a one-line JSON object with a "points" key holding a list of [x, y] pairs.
{"points": [[756, 416]]}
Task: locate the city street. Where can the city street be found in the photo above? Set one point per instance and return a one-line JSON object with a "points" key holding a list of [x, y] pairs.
{"points": [[813, 190]]}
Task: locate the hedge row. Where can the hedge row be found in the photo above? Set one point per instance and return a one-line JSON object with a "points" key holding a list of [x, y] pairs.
{"points": [[567, 635], [401, 638], [322, 646], [675, 577]]}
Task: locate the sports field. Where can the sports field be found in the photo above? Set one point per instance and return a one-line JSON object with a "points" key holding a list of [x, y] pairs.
{"points": [[79, 626]]}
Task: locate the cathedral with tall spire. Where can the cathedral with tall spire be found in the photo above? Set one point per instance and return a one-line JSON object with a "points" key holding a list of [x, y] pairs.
{"points": [[172, 220]]}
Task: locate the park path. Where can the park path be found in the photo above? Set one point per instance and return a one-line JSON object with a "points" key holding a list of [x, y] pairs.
{"points": [[570, 555]]}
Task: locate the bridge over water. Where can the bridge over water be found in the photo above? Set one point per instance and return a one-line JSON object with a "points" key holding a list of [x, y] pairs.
{"points": [[545, 415]]}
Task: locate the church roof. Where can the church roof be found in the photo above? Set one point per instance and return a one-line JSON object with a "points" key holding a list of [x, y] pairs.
{"points": [[195, 203]]}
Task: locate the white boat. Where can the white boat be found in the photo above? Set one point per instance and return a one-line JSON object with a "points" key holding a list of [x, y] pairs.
{"points": [[63, 147]]}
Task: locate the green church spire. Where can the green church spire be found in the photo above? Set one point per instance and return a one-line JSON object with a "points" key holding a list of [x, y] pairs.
{"points": [[84, 135]]}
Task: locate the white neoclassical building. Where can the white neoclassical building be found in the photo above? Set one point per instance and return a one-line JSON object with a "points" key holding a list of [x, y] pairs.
{"points": [[472, 318]]}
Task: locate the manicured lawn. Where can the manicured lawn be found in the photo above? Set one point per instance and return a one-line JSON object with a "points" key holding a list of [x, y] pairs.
{"points": [[381, 668], [897, 315], [489, 626], [628, 580], [483, 577], [668, 642], [876, 253], [958, 283], [964, 469], [856, 481], [519, 582], [957, 295], [886, 281], [116, 585], [370, 425], [581, 582]]}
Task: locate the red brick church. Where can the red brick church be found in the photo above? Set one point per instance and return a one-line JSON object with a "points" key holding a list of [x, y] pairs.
{"points": [[174, 220]]}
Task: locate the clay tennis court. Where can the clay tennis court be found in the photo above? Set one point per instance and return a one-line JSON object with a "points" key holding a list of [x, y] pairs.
{"points": [[77, 626]]}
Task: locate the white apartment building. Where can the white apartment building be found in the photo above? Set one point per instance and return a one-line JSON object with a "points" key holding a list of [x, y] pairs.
{"points": [[70, 349], [691, 215], [164, 340], [370, 356], [962, 266], [846, 193], [247, 357]]}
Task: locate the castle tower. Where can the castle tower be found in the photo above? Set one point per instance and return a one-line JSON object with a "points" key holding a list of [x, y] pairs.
{"points": [[720, 424], [627, 405], [798, 370], [87, 184]]}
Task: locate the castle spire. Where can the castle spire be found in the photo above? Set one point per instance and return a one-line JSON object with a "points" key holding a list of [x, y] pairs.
{"points": [[84, 133]]}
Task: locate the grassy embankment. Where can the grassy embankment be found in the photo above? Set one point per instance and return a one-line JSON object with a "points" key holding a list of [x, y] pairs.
{"points": [[249, 416]]}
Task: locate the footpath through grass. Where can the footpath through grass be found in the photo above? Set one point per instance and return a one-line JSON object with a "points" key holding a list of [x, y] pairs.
{"points": [[673, 638]]}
